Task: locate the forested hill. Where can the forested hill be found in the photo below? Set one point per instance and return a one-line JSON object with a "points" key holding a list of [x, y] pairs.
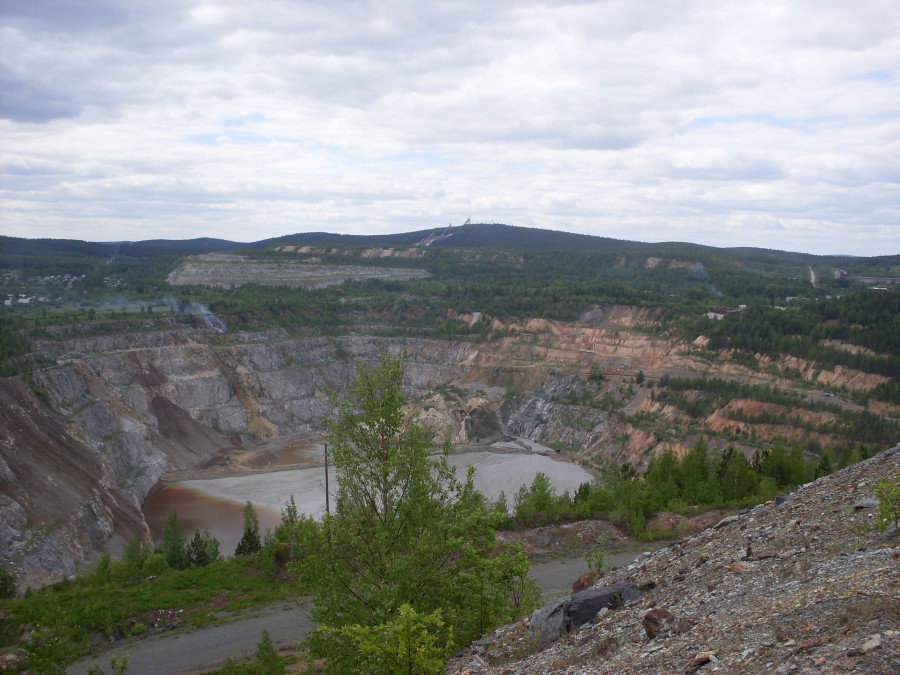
{"points": [[13, 251]]}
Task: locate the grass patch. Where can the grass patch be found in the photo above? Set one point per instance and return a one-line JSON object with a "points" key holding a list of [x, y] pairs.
{"points": [[60, 623]]}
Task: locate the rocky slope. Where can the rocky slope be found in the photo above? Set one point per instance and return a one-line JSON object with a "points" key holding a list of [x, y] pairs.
{"points": [[792, 586]]}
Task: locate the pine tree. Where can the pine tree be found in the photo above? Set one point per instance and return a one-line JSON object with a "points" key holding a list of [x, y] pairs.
{"points": [[203, 549], [249, 542]]}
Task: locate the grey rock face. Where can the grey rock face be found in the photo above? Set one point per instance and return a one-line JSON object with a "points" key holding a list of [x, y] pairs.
{"points": [[583, 606], [564, 615], [548, 623]]}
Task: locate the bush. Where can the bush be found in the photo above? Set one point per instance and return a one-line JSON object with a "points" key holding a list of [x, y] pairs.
{"points": [[267, 660], [154, 565], [595, 557], [410, 643], [8, 584], [887, 491], [131, 565]]}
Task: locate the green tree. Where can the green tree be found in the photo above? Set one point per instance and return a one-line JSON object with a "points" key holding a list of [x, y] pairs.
{"points": [[737, 480], [662, 478], [130, 567], [249, 542], [534, 506], [267, 660], [203, 549], [405, 530], [697, 476], [173, 545]]}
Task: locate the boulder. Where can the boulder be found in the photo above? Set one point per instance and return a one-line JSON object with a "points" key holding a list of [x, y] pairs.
{"points": [[656, 622], [547, 622], [567, 614], [585, 581], [583, 606]]}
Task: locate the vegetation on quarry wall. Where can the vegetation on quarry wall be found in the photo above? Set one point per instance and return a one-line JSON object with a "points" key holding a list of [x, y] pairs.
{"points": [[700, 479]]}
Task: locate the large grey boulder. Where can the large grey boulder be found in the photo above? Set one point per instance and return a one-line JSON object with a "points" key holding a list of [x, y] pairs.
{"points": [[584, 606], [547, 623], [567, 614]]}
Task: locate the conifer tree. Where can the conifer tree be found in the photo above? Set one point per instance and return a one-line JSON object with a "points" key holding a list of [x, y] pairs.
{"points": [[249, 542]]}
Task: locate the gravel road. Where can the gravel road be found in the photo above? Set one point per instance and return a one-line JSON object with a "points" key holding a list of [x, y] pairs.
{"points": [[207, 648], [287, 624]]}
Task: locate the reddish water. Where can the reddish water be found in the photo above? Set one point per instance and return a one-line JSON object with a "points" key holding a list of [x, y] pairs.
{"points": [[223, 518]]}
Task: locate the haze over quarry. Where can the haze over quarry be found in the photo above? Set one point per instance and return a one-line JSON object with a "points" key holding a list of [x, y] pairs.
{"points": [[775, 124]]}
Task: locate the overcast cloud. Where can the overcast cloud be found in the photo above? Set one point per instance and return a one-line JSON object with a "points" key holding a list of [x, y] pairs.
{"points": [[773, 124]]}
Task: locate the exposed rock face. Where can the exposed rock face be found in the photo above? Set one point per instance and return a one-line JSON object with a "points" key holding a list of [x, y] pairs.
{"points": [[82, 447], [814, 594], [122, 409], [57, 504], [231, 271]]}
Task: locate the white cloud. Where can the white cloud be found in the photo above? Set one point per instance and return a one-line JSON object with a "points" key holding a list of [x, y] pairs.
{"points": [[731, 124]]}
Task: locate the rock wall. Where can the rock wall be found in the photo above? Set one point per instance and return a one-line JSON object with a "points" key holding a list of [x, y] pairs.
{"points": [[85, 440]]}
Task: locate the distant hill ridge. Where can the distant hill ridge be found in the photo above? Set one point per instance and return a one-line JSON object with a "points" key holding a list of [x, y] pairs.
{"points": [[468, 236]]}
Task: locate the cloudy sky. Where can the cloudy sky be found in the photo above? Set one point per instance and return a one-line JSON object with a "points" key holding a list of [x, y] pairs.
{"points": [[749, 123]]}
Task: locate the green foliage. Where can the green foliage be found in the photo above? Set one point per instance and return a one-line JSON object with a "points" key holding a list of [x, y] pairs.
{"points": [[412, 643], [870, 320], [154, 565], [534, 505], [596, 555], [130, 568], [267, 660], [118, 666], [8, 583], [173, 545], [249, 542], [203, 549], [887, 491], [405, 529], [61, 620], [295, 538], [701, 478]]}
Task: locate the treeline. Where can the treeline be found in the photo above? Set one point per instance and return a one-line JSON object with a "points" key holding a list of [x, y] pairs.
{"points": [[701, 478], [12, 345], [870, 320], [720, 391], [699, 397]]}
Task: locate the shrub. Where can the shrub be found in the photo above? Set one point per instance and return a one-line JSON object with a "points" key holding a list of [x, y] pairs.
{"points": [[8, 583], [154, 565], [410, 643], [267, 660], [887, 491]]}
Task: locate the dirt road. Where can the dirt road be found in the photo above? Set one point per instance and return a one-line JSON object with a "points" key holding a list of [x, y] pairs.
{"points": [[287, 624], [207, 647]]}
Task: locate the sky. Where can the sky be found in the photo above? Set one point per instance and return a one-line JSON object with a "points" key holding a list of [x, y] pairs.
{"points": [[773, 124]]}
